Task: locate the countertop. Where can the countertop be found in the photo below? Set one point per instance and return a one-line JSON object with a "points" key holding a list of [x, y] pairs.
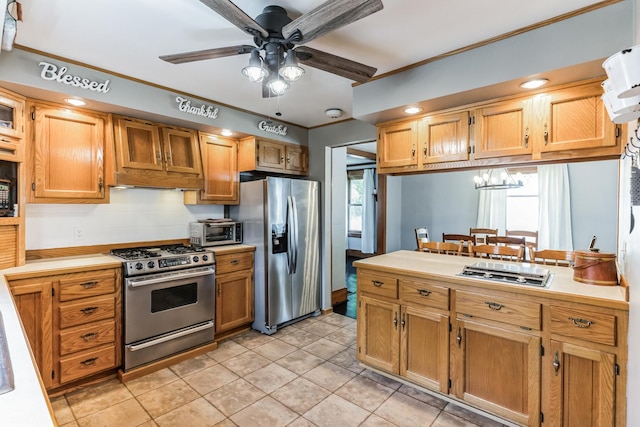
{"points": [[447, 267], [27, 404]]}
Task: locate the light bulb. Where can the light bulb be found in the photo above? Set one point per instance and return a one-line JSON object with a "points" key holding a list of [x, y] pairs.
{"points": [[278, 86]]}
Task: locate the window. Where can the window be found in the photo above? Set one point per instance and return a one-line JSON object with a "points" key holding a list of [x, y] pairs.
{"points": [[522, 203], [354, 198]]}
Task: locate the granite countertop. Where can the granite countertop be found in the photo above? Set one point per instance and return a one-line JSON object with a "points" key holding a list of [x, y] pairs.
{"points": [[27, 404], [447, 267]]}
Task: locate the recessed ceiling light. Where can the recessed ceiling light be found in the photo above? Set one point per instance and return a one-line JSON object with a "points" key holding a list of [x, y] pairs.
{"points": [[75, 101], [533, 84], [412, 110], [226, 132]]}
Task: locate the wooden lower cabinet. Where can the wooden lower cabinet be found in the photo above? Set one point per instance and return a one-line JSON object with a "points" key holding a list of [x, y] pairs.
{"points": [[497, 370], [73, 322], [533, 360], [234, 290]]}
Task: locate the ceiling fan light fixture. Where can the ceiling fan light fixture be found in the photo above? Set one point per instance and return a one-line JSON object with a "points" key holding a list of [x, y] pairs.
{"points": [[255, 71], [277, 86], [291, 71]]}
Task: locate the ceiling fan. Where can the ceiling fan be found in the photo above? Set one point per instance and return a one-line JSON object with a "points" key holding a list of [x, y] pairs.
{"points": [[277, 37]]}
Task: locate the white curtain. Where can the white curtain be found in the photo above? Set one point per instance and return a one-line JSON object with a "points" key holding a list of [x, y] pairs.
{"points": [[492, 209], [368, 236], [554, 223]]}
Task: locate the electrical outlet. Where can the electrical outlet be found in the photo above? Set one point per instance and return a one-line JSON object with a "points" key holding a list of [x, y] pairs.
{"points": [[78, 233]]}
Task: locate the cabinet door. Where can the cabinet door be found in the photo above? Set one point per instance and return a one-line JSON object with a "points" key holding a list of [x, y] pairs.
{"points": [[138, 145], [444, 138], [33, 302], [503, 129], [271, 155], [424, 348], [297, 161], [397, 145], [11, 115], [498, 370], [234, 300], [10, 249], [582, 389], [220, 162], [379, 334], [181, 151], [575, 118], [69, 153]]}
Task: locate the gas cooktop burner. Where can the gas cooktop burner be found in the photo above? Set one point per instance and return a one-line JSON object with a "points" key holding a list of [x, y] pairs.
{"points": [[155, 259], [509, 273]]}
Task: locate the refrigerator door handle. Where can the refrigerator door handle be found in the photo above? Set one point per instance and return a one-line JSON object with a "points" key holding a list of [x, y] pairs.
{"points": [[295, 234], [290, 232]]}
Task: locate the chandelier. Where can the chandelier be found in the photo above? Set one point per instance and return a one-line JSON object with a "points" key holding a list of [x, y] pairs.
{"points": [[277, 67], [498, 179]]}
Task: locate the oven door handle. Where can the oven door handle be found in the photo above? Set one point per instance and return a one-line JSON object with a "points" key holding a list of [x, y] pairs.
{"points": [[137, 281], [169, 337]]}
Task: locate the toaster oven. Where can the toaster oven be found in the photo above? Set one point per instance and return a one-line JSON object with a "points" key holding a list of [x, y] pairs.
{"points": [[215, 233]]}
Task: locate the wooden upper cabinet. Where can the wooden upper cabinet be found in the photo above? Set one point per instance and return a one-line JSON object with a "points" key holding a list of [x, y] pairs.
{"points": [[11, 126], [575, 118], [398, 145], [272, 156], [503, 129], [444, 137], [181, 150], [221, 177], [155, 155], [68, 156]]}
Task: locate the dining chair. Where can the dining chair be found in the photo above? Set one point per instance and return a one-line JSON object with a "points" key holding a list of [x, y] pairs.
{"points": [[505, 253], [422, 236], [447, 248], [530, 236], [466, 239], [551, 257], [482, 233]]}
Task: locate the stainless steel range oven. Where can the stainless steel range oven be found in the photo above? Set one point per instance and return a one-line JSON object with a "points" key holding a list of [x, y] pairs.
{"points": [[169, 301]]}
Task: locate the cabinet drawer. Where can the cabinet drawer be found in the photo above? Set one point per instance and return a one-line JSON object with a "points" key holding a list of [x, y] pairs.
{"points": [[586, 325], [378, 283], [86, 336], [499, 308], [84, 285], [87, 363], [423, 293], [87, 310], [234, 262]]}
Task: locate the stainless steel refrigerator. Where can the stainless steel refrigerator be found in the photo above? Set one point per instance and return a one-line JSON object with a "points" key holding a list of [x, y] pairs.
{"points": [[280, 218]]}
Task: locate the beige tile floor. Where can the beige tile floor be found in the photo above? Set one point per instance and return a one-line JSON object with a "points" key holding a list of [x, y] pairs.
{"points": [[306, 374]]}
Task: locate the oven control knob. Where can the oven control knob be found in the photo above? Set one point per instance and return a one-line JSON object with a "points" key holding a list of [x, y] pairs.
{"points": [[195, 258], [151, 264], [139, 266], [205, 257]]}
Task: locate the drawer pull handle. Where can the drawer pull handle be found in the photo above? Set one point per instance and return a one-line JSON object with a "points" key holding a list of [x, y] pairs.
{"points": [[494, 305], [89, 362], [424, 292], [90, 336], [377, 283], [89, 285], [580, 323], [235, 262], [89, 310], [556, 363]]}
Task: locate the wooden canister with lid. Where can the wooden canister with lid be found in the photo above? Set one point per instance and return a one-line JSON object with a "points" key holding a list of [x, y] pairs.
{"points": [[595, 268]]}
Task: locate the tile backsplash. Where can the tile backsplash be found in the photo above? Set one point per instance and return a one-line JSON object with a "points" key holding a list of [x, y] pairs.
{"points": [[133, 215]]}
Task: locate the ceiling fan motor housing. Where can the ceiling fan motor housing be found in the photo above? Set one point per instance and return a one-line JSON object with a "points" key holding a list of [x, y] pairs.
{"points": [[272, 19]]}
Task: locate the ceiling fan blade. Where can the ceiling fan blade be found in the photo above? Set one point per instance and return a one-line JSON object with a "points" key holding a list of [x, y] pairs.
{"points": [[329, 16], [334, 64], [236, 16], [200, 55]]}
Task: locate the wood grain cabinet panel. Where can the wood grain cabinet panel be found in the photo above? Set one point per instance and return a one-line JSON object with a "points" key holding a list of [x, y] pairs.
{"points": [[12, 107], [234, 290], [424, 293], [9, 251], [444, 137], [221, 176], [68, 154], [260, 154], [398, 145], [499, 308], [181, 151], [503, 129], [379, 334], [582, 392], [583, 324], [138, 144], [378, 283]]}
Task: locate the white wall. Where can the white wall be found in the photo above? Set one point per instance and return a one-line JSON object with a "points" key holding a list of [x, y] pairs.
{"points": [[133, 215]]}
